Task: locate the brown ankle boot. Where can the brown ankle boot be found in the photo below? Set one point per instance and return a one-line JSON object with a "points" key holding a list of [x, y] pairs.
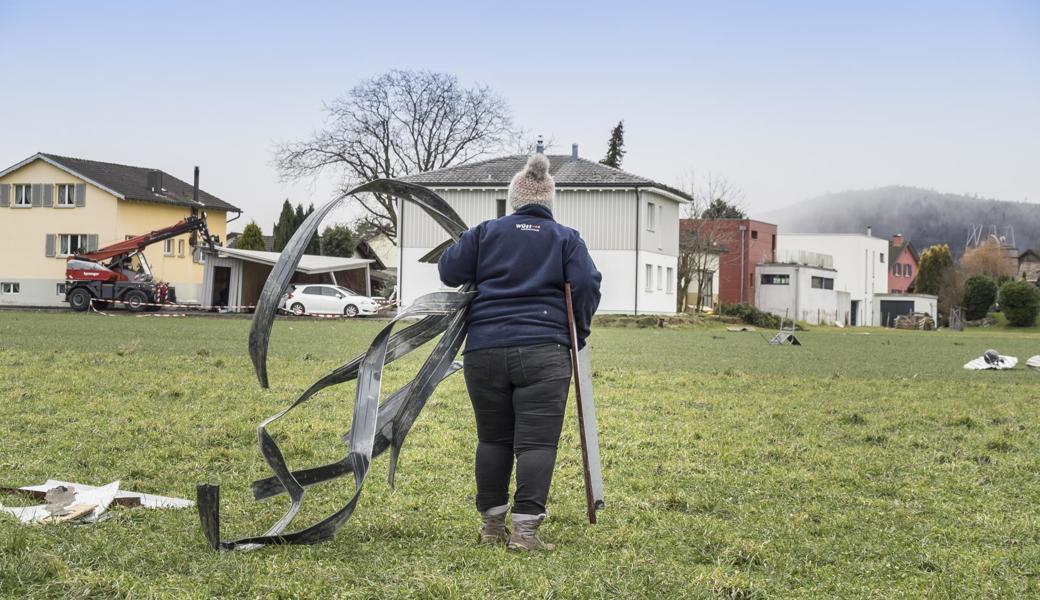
{"points": [[525, 534], [493, 529]]}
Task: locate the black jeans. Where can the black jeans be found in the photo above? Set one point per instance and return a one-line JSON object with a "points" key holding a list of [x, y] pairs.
{"points": [[518, 395]]}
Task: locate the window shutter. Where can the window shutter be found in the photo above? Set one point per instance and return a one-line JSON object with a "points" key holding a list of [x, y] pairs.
{"points": [[92, 242], [5, 195], [48, 195], [50, 244], [37, 195], [81, 195]]}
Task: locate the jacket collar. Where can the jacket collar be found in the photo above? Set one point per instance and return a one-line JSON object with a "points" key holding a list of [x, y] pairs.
{"points": [[534, 210]]}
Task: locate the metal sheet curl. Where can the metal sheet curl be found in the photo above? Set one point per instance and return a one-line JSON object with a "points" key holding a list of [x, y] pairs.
{"points": [[375, 427]]}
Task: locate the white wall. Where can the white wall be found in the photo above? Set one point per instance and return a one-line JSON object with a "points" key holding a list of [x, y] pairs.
{"points": [[617, 267], [861, 263], [798, 299]]}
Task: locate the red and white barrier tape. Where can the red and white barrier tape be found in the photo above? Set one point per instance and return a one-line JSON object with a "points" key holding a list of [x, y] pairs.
{"points": [[200, 308]]}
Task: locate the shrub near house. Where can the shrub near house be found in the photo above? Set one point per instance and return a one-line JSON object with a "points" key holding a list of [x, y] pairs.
{"points": [[1020, 301], [979, 296]]}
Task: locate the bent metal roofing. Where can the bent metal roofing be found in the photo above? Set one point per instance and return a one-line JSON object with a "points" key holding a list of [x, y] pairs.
{"points": [[566, 170], [130, 183], [309, 264]]}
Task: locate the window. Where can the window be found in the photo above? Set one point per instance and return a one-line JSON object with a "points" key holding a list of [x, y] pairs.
{"points": [[66, 194], [776, 279], [882, 255], [660, 280], [10, 287], [651, 217], [649, 278], [180, 247], [751, 279], [823, 283], [167, 247], [331, 292], [23, 195], [71, 243], [61, 289], [500, 207], [671, 280], [908, 270], [754, 234], [313, 290]]}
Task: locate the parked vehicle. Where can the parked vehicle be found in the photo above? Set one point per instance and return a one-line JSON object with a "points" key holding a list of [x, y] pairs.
{"points": [[328, 299]]}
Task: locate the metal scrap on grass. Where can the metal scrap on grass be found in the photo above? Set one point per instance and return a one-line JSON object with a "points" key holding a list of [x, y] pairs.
{"points": [[375, 428]]}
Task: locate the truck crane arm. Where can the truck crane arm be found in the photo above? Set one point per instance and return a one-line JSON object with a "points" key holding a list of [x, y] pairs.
{"points": [[140, 242]]}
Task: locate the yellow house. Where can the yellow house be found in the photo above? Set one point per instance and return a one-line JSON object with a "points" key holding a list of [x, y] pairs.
{"points": [[52, 206]]}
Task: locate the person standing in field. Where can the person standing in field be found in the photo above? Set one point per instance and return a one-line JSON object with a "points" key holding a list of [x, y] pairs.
{"points": [[517, 357]]}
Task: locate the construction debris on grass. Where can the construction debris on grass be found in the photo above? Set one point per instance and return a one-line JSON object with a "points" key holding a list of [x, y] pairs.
{"points": [[67, 501]]}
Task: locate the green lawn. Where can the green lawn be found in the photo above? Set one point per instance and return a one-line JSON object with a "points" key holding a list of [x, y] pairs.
{"points": [[866, 463]]}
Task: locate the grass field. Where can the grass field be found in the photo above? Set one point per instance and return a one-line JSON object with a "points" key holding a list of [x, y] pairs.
{"points": [[865, 463]]}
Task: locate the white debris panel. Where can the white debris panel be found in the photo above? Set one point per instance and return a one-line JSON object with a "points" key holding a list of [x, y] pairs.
{"points": [[69, 501]]}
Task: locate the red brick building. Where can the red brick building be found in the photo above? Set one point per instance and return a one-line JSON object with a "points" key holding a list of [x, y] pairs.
{"points": [[746, 243]]}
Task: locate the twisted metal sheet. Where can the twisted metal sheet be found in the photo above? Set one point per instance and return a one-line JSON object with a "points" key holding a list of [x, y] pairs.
{"points": [[374, 428]]}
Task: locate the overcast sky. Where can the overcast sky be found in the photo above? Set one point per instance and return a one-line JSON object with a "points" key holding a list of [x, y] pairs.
{"points": [[788, 100]]}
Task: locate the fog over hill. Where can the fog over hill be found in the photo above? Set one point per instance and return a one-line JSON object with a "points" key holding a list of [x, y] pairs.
{"points": [[926, 217]]}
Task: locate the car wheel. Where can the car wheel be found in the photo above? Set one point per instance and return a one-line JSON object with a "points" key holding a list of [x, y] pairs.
{"points": [[297, 309], [79, 299], [136, 301], [350, 310]]}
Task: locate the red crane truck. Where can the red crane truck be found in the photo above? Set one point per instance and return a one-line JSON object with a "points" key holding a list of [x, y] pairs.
{"points": [[120, 272]]}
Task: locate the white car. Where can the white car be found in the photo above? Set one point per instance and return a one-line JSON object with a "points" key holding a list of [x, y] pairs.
{"points": [[328, 299]]}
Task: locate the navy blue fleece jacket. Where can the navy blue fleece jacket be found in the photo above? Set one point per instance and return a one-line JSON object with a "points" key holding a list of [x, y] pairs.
{"points": [[519, 263]]}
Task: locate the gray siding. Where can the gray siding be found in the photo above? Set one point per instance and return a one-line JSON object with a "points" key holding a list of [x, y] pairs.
{"points": [[605, 218], [474, 206]]}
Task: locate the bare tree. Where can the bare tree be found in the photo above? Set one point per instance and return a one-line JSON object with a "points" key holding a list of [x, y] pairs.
{"points": [[702, 238], [396, 124]]}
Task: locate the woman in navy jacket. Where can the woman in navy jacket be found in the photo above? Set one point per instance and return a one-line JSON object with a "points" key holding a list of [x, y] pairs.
{"points": [[517, 361]]}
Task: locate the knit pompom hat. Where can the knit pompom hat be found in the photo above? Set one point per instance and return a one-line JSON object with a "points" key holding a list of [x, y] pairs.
{"points": [[533, 184]]}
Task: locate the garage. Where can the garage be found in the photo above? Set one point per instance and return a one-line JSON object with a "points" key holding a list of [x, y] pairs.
{"points": [[233, 278], [887, 307]]}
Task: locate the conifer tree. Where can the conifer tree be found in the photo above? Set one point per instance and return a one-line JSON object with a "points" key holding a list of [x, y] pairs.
{"points": [[615, 147], [251, 239]]}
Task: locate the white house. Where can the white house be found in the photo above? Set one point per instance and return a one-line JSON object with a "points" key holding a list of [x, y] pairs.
{"points": [[859, 261], [802, 292], [629, 223]]}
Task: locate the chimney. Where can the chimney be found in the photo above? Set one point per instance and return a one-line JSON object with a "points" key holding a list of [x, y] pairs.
{"points": [[155, 181], [870, 231], [574, 152], [897, 239], [540, 148]]}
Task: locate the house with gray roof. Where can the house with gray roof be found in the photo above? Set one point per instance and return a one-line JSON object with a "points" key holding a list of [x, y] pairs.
{"points": [[629, 223]]}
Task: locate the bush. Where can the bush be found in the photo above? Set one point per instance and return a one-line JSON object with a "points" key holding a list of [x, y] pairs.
{"points": [[979, 294], [750, 315], [1020, 302]]}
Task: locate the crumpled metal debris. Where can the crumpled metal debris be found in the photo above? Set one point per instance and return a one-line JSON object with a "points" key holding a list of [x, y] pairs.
{"points": [[375, 428]]}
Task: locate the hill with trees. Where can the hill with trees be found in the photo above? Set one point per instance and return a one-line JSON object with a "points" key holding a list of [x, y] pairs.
{"points": [[925, 217]]}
